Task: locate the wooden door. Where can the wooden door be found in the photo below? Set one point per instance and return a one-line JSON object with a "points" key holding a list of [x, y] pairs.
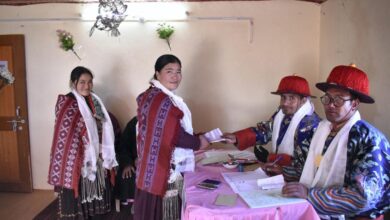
{"points": [[15, 165]]}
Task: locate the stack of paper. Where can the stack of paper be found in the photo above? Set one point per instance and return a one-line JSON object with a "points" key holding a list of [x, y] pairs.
{"points": [[220, 156], [275, 182]]}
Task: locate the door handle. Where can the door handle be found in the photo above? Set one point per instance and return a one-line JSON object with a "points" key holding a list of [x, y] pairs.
{"points": [[15, 124], [18, 111]]}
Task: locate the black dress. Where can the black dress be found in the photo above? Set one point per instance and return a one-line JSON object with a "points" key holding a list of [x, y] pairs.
{"points": [[127, 154]]}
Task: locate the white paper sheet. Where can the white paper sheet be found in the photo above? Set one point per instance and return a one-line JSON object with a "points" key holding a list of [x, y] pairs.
{"points": [[274, 182], [214, 135], [267, 198]]}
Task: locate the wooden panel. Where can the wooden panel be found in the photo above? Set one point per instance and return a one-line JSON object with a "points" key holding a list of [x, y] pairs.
{"points": [[9, 165], [7, 92], [4, 123]]}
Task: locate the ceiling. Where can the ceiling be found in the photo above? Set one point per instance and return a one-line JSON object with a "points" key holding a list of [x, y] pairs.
{"points": [[28, 2]]}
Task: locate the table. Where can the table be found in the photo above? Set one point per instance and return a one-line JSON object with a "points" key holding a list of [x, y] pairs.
{"points": [[199, 203]]}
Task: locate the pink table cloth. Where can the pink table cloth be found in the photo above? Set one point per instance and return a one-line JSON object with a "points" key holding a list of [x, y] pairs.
{"points": [[199, 203]]}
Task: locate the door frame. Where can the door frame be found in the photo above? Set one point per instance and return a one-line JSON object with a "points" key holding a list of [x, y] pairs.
{"points": [[20, 99]]}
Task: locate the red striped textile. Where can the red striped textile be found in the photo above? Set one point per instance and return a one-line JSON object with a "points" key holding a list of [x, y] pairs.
{"points": [[158, 130]]}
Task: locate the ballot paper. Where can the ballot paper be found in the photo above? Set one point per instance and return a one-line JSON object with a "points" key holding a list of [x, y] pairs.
{"points": [[274, 182], [214, 136]]}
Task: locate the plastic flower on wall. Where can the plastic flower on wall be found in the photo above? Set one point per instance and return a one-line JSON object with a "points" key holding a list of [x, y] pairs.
{"points": [[6, 77], [110, 15], [165, 32], [66, 41]]}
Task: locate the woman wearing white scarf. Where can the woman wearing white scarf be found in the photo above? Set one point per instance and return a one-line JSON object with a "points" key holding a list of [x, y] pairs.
{"points": [[80, 162], [164, 130], [184, 159], [93, 148]]}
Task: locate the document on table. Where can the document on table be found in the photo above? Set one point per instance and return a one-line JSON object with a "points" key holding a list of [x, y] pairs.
{"points": [[257, 189], [235, 153], [267, 198], [220, 156], [244, 181]]}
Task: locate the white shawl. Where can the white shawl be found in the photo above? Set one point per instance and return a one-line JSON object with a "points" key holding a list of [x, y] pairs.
{"points": [[287, 144], [92, 148], [184, 159], [332, 164]]}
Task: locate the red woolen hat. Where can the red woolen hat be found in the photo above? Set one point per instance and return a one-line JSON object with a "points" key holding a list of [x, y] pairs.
{"points": [[293, 84], [351, 79]]}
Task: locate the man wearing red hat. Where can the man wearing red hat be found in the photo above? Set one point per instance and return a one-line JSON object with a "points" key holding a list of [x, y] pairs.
{"points": [[346, 174], [290, 130]]}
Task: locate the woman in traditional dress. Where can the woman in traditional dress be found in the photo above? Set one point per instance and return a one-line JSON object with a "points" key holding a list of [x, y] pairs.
{"points": [[82, 153], [164, 125]]}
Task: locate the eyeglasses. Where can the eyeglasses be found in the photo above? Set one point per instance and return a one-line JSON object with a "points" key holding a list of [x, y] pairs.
{"points": [[338, 101]]}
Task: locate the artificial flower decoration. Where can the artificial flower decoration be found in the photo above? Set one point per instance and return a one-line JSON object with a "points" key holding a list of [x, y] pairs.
{"points": [[165, 32], [6, 77], [66, 41], [110, 15]]}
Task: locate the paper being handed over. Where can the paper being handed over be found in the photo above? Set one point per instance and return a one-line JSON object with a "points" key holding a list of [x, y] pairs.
{"points": [[214, 135]]}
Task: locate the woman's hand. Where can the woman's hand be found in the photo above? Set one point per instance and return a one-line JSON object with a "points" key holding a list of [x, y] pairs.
{"points": [[127, 172], [230, 138], [295, 189], [203, 142]]}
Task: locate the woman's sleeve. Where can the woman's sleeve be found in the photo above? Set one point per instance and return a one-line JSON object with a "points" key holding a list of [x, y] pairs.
{"points": [[187, 140]]}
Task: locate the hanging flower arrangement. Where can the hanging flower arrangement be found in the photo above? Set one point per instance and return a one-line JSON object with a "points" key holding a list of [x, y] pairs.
{"points": [[164, 32], [6, 77], [66, 41]]}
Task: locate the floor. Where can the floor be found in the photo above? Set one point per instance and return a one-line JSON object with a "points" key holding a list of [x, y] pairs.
{"points": [[22, 206]]}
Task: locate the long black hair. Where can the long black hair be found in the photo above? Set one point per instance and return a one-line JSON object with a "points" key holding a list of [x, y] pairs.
{"points": [[77, 72], [162, 61]]}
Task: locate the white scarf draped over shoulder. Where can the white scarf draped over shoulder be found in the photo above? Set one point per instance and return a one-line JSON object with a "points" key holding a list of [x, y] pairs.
{"points": [[183, 159], [92, 147], [328, 169], [287, 144]]}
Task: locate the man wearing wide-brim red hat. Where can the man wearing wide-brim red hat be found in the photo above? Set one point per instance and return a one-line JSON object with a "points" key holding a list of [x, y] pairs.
{"points": [[289, 130], [346, 174]]}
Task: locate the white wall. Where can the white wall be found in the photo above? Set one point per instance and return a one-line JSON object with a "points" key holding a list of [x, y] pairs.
{"points": [[226, 79], [358, 31]]}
